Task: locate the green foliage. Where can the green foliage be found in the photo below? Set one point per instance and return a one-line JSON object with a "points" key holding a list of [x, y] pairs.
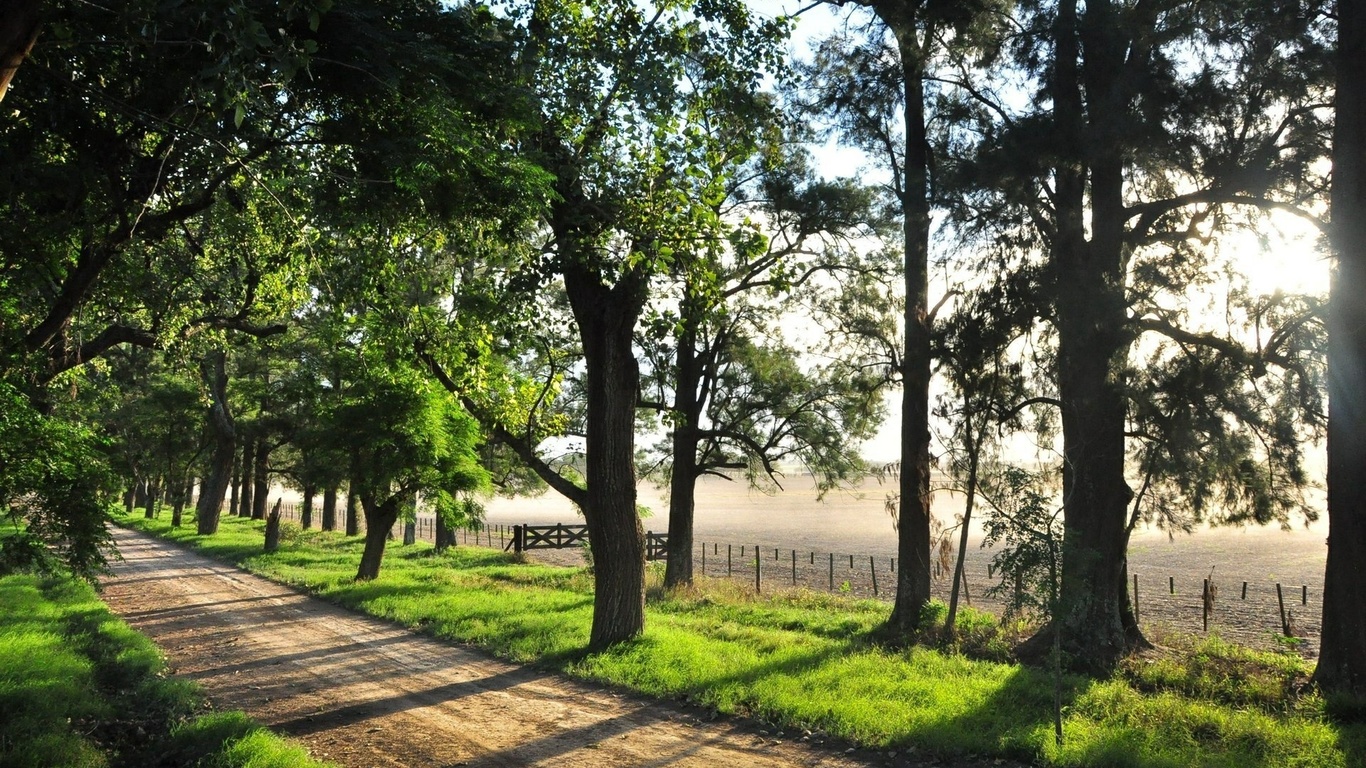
{"points": [[79, 688], [804, 660], [407, 436], [1024, 520], [55, 488]]}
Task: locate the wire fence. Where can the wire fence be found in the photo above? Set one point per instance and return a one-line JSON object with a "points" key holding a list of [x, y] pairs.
{"points": [[1256, 613]]}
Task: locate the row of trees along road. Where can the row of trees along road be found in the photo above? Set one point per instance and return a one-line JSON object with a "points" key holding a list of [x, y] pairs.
{"points": [[349, 235]]}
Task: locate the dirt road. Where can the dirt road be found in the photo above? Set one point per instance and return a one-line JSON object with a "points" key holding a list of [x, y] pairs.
{"points": [[365, 693]]}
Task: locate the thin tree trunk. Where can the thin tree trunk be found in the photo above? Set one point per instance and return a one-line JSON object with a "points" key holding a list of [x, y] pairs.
{"points": [[236, 487], [683, 479], [212, 369], [1342, 646], [913, 521], [129, 497], [974, 455], [140, 494], [248, 478], [261, 494]]}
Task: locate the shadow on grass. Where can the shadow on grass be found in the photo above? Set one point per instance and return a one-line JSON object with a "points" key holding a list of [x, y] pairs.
{"points": [[1014, 721]]}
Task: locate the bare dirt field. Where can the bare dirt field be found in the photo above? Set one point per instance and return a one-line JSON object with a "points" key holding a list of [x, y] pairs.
{"points": [[362, 692], [1171, 571]]}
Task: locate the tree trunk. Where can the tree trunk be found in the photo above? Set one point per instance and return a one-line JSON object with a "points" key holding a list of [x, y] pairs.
{"points": [[177, 511], [306, 515], [224, 432], [140, 495], [379, 520], [1093, 343], [352, 519], [683, 479], [330, 508], [273, 528], [1342, 651], [244, 504], [913, 519], [236, 488], [445, 535], [153, 499], [129, 498], [606, 320], [261, 475], [18, 33]]}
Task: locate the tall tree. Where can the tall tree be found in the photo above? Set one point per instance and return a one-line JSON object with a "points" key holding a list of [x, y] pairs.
{"points": [[1342, 652], [862, 86], [1142, 163], [624, 92], [732, 391]]}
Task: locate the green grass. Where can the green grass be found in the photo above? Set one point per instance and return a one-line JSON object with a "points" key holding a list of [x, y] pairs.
{"points": [[811, 661], [79, 688]]}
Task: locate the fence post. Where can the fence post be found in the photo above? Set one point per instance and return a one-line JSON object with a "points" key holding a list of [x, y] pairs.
{"points": [[1171, 584], [518, 538], [794, 567], [1304, 594], [832, 571], [1280, 600], [1244, 590], [851, 562], [872, 569], [730, 571], [758, 570], [704, 558], [1204, 606]]}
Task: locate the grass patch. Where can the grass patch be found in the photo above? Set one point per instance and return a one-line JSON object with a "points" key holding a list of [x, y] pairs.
{"points": [[81, 689], [811, 661]]}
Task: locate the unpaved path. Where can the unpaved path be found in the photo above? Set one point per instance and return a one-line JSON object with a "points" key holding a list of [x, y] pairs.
{"points": [[365, 693]]}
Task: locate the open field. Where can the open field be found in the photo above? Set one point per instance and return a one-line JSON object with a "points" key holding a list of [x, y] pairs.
{"points": [[856, 523]]}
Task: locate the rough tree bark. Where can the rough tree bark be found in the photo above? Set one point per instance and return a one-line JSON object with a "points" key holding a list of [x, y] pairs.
{"points": [[606, 318], [213, 369], [306, 515], [1094, 336], [683, 480], [902, 18], [379, 520], [1342, 654]]}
